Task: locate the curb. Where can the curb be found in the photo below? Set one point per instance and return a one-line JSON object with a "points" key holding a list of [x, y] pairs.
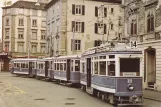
{"points": [[152, 99]]}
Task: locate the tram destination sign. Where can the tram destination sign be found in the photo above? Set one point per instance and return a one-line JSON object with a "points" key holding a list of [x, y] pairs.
{"points": [[129, 73], [89, 52]]}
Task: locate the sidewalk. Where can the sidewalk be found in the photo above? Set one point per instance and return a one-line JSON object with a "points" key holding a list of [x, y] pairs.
{"points": [[152, 95]]}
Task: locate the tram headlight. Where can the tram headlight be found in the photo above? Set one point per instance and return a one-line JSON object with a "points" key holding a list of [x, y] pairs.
{"points": [[130, 87]]}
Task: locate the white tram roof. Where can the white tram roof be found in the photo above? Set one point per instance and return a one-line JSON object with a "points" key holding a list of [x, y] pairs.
{"points": [[69, 56], [119, 47], [24, 59]]}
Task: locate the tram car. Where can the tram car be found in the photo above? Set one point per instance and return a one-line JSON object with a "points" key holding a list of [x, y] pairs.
{"points": [[67, 70], [24, 66], [113, 74]]}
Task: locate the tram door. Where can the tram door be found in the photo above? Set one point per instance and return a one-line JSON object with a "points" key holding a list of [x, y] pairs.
{"points": [[88, 72], [68, 69], [30, 68], [46, 68]]}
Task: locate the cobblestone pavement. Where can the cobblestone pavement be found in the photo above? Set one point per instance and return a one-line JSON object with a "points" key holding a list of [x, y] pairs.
{"points": [[27, 92]]}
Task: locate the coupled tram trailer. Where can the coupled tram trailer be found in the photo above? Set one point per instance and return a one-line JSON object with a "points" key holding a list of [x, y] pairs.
{"points": [[113, 74], [24, 66]]}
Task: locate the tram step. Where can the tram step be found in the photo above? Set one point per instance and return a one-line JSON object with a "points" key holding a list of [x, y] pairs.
{"points": [[89, 90]]}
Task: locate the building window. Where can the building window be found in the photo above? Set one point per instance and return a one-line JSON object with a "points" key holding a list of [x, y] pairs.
{"points": [[133, 27], [42, 48], [100, 28], [20, 47], [6, 46], [112, 10], [43, 24], [78, 9], [34, 12], [20, 33], [99, 12], [111, 26], [43, 35], [7, 22], [34, 34], [78, 27], [76, 44], [34, 48], [7, 33], [34, 22], [20, 23], [43, 13], [150, 23], [97, 43]]}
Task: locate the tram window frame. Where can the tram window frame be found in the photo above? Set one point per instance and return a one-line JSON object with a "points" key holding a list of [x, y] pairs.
{"points": [[61, 66], [65, 66], [72, 65], [110, 63], [58, 66], [26, 65], [96, 72], [77, 69], [55, 66], [100, 68]]}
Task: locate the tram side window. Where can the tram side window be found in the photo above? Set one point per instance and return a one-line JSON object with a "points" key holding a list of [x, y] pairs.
{"points": [[83, 67], [102, 66], [23, 65], [55, 65], [71, 65], [42, 66], [64, 66], [58, 66], [33, 64], [77, 65], [95, 67], [15, 65], [61, 66], [26, 65], [18, 65], [111, 68]]}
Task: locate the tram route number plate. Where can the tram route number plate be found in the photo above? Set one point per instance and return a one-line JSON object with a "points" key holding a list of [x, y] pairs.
{"points": [[129, 81]]}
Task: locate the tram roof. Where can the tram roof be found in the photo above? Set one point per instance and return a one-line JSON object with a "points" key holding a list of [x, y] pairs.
{"points": [[69, 56], [120, 48], [24, 59]]}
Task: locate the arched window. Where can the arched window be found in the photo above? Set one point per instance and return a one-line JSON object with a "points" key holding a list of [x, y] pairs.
{"points": [[150, 23]]}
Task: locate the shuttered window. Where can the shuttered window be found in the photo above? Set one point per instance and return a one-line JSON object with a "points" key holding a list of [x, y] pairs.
{"points": [[78, 27], [78, 9], [100, 28]]}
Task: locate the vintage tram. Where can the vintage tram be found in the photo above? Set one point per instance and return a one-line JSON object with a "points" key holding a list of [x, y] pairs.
{"points": [[113, 73], [24, 66], [67, 69]]}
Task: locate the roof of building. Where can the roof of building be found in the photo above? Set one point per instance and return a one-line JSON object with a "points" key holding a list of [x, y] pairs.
{"points": [[27, 5], [111, 1]]}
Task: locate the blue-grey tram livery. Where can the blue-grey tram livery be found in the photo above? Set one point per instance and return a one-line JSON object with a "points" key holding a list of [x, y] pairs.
{"points": [[24, 66], [67, 69], [113, 74]]}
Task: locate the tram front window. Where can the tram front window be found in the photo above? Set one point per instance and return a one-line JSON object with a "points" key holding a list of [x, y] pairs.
{"points": [[129, 66]]}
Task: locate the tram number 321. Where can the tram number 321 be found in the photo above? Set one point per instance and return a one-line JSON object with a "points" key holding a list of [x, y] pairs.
{"points": [[133, 44]]}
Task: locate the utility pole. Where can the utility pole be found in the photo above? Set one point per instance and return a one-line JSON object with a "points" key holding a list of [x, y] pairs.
{"points": [[73, 41], [29, 38]]}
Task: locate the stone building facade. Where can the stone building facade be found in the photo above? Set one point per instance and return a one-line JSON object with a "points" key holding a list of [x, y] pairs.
{"points": [[24, 29], [143, 24], [76, 25]]}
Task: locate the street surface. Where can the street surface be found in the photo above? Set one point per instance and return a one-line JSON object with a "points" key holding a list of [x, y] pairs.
{"points": [[27, 92]]}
